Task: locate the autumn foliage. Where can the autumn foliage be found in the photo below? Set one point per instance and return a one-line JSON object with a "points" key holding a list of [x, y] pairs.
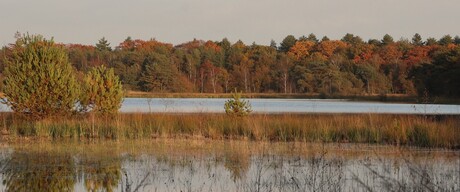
{"points": [[349, 66]]}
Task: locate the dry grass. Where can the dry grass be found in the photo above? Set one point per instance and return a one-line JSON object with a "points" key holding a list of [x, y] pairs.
{"points": [[412, 130]]}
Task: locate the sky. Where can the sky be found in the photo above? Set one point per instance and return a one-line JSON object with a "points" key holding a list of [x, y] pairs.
{"points": [[259, 21]]}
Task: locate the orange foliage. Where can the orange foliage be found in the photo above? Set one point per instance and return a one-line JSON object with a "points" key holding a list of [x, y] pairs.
{"points": [[141, 45], [191, 44], [80, 47], [451, 46], [301, 49], [417, 55], [363, 52], [391, 53], [212, 46], [328, 48]]}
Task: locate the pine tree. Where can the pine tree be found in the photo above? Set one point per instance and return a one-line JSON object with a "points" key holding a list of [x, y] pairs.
{"points": [[387, 39], [103, 45], [417, 40], [236, 106], [39, 80], [287, 43], [102, 91]]}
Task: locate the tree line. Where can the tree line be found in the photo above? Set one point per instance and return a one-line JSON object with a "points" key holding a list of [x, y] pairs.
{"points": [[349, 66]]}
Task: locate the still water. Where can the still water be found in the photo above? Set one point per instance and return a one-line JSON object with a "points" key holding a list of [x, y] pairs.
{"points": [[189, 165], [213, 105], [204, 105]]}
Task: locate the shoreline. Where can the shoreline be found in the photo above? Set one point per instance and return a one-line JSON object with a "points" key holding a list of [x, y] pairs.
{"points": [[391, 98]]}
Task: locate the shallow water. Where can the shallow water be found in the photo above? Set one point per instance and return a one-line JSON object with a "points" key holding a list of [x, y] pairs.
{"points": [[189, 165]]}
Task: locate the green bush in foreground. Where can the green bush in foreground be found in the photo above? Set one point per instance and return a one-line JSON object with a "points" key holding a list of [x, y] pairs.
{"points": [[237, 106], [39, 80], [102, 91]]}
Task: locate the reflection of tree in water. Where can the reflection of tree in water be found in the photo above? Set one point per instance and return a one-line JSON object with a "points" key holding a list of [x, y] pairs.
{"points": [[100, 174], [237, 162], [56, 171], [39, 171]]}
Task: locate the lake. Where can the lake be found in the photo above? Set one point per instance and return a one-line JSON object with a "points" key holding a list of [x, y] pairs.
{"points": [[200, 165], [208, 105], [216, 105]]}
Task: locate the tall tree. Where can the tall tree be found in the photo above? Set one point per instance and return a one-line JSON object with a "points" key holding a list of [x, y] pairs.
{"points": [[387, 39], [312, 37], [325, 38], [417, 40], [103, 45], [287, 43], [352, 39], [457, 40], [273, 44], [431, 41], [301, 50], [161, 75], [446, 40], [373, 42]]}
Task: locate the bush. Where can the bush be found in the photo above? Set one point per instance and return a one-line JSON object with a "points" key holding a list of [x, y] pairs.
{"points": [[102, 91], [39, 80], [236, 106]]}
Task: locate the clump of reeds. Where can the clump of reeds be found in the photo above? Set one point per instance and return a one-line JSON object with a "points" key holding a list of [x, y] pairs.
{"points": [[413, 130]]}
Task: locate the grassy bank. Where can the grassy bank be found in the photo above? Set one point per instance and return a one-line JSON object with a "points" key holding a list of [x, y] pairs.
{"points": [[436, 131]]}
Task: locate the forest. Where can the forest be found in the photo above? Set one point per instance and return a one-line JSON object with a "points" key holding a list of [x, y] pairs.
{"points": [[349, 66]]}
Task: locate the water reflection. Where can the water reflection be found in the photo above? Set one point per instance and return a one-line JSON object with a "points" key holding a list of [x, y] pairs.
{"points": [[38, 171], [225, 166], [99, 174]]}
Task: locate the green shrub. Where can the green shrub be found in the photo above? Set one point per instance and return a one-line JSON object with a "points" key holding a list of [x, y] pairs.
{"points": [[236, 106]]}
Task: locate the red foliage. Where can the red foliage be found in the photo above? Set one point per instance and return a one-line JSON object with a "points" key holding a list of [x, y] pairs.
{"points": [[418, 55]]}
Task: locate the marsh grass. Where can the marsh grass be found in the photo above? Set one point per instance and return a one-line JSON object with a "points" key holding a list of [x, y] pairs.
{"points": [[412, 130]]}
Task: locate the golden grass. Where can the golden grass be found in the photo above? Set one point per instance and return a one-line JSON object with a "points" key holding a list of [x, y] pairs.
{"points": [[412, 130]]}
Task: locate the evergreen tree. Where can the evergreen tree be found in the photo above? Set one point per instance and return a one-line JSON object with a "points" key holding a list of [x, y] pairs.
{"points": [[312, 37], [374, 42], [237, 106], [387, 39], [457, 40], [351, 39], [39, 80], [273, 44], [445, 40], [103, 45], [417, 40], [287, 43], [102, 91], [431, 41]]}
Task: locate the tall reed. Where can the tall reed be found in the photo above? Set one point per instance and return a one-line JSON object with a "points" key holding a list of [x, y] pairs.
{"points": [[413, 130]]}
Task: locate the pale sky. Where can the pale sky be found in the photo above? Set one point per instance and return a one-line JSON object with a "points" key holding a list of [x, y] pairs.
{"points": [[179, 21]]}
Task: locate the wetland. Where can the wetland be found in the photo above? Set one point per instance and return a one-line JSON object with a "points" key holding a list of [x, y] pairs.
{"points": [[206, 165]]}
